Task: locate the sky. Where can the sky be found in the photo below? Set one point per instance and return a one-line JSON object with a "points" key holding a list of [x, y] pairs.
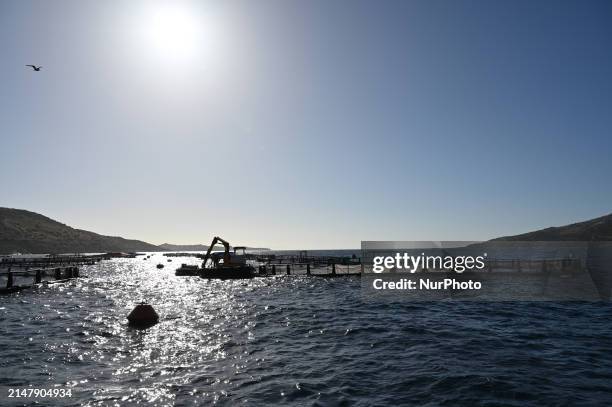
{"points": [[307, 124]]}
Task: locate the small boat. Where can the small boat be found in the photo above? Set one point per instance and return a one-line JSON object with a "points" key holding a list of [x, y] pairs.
{"points": [[160, 266]]}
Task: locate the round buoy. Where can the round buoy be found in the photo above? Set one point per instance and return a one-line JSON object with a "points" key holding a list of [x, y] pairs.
{"points": [[143, 315]]}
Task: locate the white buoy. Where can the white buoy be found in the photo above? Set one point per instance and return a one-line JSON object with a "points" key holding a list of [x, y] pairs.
{"points": [[143, 316]]}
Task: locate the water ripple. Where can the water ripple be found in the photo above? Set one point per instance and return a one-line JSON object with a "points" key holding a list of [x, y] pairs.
{"points": [[296, 340]]}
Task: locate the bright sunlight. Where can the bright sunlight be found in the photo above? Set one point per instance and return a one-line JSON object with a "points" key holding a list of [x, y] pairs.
{"points": [[176, 32]]}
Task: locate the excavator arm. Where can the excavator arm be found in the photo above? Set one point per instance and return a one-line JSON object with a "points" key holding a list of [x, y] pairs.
{"points": [[226, 254]]}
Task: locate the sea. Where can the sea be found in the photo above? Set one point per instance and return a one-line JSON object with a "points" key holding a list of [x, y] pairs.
{"points": [[294, 341]]}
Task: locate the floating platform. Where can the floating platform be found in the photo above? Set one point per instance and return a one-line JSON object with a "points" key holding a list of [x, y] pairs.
{"points": [[188, 270], [228, 273], [267, 270], [219, 273]]}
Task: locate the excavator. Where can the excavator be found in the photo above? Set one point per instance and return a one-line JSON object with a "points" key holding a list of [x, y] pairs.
{"points": [[225, 265]]}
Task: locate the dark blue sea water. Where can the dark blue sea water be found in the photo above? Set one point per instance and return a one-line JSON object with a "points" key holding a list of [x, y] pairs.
{"points": [[297, 341]]}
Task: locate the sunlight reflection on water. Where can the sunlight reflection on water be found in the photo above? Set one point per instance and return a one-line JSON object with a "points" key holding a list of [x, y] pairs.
{"points": [[286, 340]]}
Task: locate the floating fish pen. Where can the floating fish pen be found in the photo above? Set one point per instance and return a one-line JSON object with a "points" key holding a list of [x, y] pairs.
{"points": [[16, 280], [18, 273], [51, 261], [181, 254], [280, 265], [314, 269], [309, 265], [304, 259], [530, 265]]}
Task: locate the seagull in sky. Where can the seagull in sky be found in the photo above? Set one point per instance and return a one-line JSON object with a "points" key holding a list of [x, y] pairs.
{"points": [[34, 67]]}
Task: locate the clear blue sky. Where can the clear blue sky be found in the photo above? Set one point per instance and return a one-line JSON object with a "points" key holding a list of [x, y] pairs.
{"points": [[312, 124]]}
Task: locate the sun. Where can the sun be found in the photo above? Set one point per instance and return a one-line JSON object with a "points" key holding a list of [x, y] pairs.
{"points": [[175, 32]]}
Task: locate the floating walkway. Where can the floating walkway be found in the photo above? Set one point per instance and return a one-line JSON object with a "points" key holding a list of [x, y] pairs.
{"points": [[316, 267], [303, 264], [330, 267], [38, 276], [19, 273], [310, 269]]}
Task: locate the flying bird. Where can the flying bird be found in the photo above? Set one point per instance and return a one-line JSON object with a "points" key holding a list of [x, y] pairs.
{"points": [[34, 67]]}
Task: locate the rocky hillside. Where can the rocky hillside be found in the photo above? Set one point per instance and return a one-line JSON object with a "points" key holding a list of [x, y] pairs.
{"points": [[594, 229], [28, 232]]}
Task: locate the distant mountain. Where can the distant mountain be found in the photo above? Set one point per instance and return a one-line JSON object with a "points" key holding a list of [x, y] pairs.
{"points": [[168, 247], [183, 247], [594, 229], [28, 232]]}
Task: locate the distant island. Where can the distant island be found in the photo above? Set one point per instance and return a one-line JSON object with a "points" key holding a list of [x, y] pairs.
{"points": [[22, 231], [168, 247]]}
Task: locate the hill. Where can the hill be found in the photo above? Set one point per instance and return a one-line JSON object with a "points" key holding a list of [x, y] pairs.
{"points": [[29, 232], [590, 230]]}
